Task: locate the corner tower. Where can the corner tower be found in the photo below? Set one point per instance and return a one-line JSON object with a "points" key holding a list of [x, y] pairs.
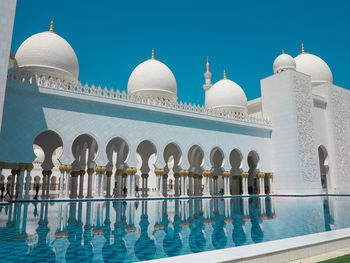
{"points": [[287, 100]]}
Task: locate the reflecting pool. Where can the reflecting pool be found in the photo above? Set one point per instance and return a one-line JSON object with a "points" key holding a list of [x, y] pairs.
{"points": [[129, 231]]}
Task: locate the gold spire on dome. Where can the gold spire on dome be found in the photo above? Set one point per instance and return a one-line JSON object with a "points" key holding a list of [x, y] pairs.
{"points": [[282, 51], [51, 26], [302, 48], [207, 64], [225, 74], [152, 53]]}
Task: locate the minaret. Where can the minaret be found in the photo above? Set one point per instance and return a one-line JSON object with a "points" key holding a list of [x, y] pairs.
{"points": [[207, 76]]}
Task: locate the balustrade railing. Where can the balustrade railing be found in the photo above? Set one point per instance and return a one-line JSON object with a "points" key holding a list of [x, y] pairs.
{"points": [[59, 84]]}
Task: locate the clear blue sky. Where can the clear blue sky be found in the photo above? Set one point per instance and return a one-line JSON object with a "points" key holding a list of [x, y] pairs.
{"points": [[111, 38]]}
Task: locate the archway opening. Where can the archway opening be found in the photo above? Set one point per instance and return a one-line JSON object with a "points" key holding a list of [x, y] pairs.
{"points": [[146, 153], [216, 160], [253, 163], [47, 147], [236, 171], [172, 158], [324, 167], [195, 158]]}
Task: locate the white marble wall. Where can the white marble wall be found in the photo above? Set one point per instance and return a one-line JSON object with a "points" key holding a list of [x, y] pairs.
{"points": [[7, 15]]}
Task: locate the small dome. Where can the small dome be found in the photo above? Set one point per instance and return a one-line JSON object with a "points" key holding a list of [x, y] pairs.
{"points": [[283, 62], [315, 67], [47, 53], [153, 78], [226, 94]]}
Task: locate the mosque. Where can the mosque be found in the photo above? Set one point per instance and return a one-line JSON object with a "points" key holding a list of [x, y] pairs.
{"points": [[80, 141]]}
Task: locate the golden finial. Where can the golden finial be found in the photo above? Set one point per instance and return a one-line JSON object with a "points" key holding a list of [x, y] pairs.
{"points": [[152, 53], [282, 51], [302, 48], [224, 74], [51, 26], [207, 64]]}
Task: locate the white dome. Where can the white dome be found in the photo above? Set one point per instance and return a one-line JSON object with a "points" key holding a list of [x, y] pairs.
{"points": [[226, 94], [47, 53], [315, 67], [283, 62], [153, 78]]}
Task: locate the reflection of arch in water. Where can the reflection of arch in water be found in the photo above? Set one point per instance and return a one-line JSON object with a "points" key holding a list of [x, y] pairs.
{"points": [[197, 240], [324, 166], [256, 232]]}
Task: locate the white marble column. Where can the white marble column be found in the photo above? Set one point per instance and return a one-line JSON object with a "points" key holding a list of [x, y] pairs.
{"points": [[270, 178], [260, 177], [29, 168], [90, 173], [68, 181], [81, 183], [184, 175], [245, 183], [108, 186], [62, 169], [131, 171], [22, 168]]}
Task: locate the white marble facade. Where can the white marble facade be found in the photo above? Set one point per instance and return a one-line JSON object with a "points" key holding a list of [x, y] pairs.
{"points": [[89, 141]]}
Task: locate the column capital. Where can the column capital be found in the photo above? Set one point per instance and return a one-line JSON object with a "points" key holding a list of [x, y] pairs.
{"points": [[29, 167], [90, 171], [261, 175], [131, 170], [176, 175], [100, 169], [159, 171], [184, 172], [215, 177], [270, 175], [190, 174], [245, 174], [109, 173], [226, 174], [165, 176], [119, 172], [81, 172], [74, 173], [22, 167], [68, 169], [206, 173], [44, 172], [62, 168], [144, 175]]}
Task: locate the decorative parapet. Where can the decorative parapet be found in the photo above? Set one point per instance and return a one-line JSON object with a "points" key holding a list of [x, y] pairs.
{"points": [[43, 81]]}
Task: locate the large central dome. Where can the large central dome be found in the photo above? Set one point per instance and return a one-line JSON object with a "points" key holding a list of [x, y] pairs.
{"points": [[153, 78], [47, 53]]}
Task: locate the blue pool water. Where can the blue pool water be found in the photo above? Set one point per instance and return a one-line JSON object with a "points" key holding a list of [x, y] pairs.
{"points": [[129, 231]]}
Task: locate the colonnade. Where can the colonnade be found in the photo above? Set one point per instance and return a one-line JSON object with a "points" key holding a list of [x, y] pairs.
{"points": [[99, 183], [186, 183]]}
